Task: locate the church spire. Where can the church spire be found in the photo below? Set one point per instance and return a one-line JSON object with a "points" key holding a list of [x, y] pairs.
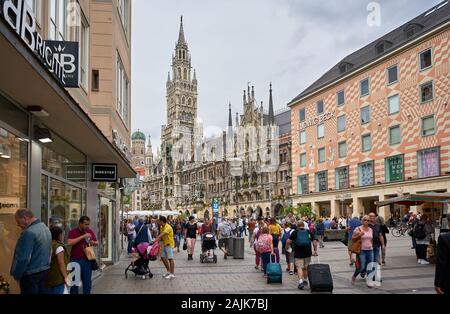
{"points": [[230, 118], [181, 39], [271, 113]]}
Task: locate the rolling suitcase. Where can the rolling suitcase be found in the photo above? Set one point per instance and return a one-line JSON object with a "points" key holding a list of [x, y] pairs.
{"points": [[274, 272], [320, 279], [238, 248]]}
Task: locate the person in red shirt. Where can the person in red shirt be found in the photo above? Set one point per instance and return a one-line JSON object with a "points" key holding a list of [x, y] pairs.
{"points": [[78, 239]]}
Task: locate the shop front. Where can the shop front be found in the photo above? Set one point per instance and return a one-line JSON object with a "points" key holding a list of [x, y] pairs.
{"points": [[48, 146]]}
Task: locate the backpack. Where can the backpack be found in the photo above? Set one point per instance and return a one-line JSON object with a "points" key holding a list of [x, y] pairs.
{"points": [[285, 237], [419, 232], [303, 238], [226, 230], [262, 245]]}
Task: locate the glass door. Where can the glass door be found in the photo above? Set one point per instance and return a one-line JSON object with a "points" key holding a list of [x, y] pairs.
{"points": [[106, 215]]}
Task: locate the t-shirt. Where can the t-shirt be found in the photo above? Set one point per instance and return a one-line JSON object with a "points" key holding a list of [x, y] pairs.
{"points": [[366, 239], [301, 252], [275, 229], [168, 237], [206, 229], [77, 251], [191, 230], [224, 230], [376, 230]]}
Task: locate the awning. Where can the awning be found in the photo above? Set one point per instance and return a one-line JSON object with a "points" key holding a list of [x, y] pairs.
{"points": [[26, 80], [416, 199]]}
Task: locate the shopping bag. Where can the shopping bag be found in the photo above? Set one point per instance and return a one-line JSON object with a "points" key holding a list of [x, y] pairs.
{"points": [[90, 254]]}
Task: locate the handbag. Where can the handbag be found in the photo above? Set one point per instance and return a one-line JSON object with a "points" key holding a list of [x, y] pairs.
{"points": [[94, 265], [90, 254], [356, 246], [184, 246]]}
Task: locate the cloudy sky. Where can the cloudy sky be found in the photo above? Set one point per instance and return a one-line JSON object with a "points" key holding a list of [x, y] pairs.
{"points": [[290, 43]]}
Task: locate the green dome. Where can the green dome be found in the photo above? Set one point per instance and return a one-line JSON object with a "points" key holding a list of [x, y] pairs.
{"points": [[138, 136]]}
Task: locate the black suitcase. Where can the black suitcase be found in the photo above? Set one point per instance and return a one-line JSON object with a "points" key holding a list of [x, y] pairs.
{"points": [[320, 279]]}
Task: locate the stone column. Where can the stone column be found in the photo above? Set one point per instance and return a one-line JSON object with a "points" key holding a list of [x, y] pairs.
{"points": [[384, 211], [315, 208], [358, 206], [334, 209]]}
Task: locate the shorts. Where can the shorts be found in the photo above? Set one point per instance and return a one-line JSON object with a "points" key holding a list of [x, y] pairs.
{"points": [[350, 244], [167, 252], [223, 243], [302, 263]]}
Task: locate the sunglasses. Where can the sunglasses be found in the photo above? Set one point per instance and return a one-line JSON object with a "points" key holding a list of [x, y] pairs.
{"points": [[366, 219]]}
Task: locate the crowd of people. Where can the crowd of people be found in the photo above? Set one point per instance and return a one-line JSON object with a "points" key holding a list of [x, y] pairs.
{"points": [[41, 257]]}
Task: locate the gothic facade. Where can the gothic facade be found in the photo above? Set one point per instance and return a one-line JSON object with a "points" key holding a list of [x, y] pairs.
{"points": [[189, 171]]}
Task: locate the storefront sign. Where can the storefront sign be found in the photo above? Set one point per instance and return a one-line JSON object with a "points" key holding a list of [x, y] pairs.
{"points": [[60, 57], [317, 120], [9, 205], [75, 173], [104, 172]]}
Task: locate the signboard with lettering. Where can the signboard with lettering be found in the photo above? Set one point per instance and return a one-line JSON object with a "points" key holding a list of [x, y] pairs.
{"points": [[104, 172], [60, 57], [317, 120], [9, 205], [75, 173], [215, 205]]}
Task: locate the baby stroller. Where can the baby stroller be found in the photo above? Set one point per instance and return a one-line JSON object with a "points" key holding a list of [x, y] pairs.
{"points": [[147, 253], [209, 246]]}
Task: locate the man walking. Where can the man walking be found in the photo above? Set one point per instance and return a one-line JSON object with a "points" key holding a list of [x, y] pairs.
{"points": [[166, 235], [79, 238], [32, 255], [442, 277], [301, 241], [224, 234]]}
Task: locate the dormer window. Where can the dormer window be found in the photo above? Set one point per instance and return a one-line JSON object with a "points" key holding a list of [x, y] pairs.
{"points": [[412, 29], [344, 67], [382, 46]]}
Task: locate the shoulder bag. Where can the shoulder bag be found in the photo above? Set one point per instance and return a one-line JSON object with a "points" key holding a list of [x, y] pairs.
{"points": [[356, 246]]}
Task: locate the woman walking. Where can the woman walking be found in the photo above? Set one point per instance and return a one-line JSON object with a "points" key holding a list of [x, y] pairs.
{"points": [[131, 235], [178, 230], [190, 236], [265, 248], [364, 234], [275, 231]]}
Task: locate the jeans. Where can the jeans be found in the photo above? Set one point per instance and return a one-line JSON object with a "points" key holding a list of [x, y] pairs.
{"points": [[56, 289], [86, 276], [241, 230], [250, 234], [275, 240], [178, 237], [365, 258], [33, 284], [413, 240], [130, 243], [376, 254], [265, 258]]}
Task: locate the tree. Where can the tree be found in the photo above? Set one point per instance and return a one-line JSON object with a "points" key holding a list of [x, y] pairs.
{"points": [[304, 210]]}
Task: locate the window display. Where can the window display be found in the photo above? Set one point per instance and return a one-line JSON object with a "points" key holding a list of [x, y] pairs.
{"points": [[342, 178], [428, 163], [394, 168], [365, 172]]}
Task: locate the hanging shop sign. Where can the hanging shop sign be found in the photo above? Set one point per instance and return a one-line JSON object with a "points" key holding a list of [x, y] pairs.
{"points": [[60, 57], [75, 173], [104, 172], [317, 120]]}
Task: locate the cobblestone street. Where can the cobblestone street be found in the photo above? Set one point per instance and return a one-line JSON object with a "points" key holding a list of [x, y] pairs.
{"points": [[400, 275]]}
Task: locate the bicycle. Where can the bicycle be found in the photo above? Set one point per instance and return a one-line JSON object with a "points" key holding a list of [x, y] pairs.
{"points": [[401, 230]]}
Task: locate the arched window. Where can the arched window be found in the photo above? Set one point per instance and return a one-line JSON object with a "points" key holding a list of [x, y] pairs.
{"points": [[179, 54], [185, 74], [184, 54], [179, 73]]}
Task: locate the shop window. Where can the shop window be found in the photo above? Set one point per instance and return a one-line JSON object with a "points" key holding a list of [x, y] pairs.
{"points": [[366, 173], [428, 163], [342, 178], [106, 224], [394, 168]]}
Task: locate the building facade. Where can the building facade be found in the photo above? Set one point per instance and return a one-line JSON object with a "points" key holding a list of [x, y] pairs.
{"points": [[51, 132], [189, 184], [377, 124]]}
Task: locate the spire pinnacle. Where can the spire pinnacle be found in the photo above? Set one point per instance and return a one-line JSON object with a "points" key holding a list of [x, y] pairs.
{"points": [[230, 118], [271, 113], [181, 39]]}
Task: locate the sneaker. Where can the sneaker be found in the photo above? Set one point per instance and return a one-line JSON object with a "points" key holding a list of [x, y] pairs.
{"points": [[363, 275], [301, 286], [166, 275], [424, 262], [257, 267], [291, 273], [171, 276], [419, 261]]}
